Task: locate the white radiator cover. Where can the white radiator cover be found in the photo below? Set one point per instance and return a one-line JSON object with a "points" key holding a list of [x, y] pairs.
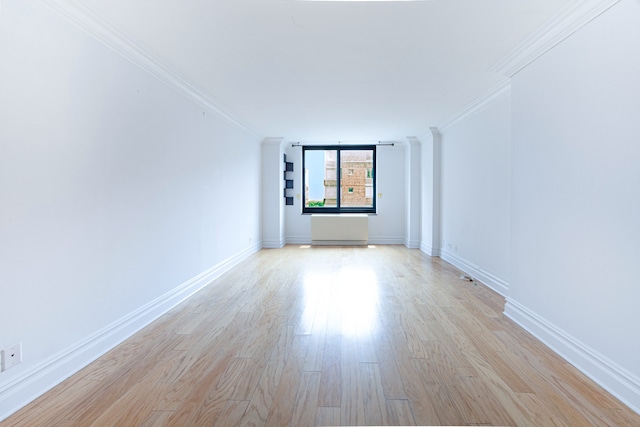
{"points": [[342, 229]]}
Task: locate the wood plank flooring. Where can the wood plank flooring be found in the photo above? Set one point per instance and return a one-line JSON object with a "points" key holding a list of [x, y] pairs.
{"points": [[331, 336]]}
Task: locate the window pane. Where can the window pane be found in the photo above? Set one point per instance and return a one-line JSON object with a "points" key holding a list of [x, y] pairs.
{"points": [[357, 184], [339, 179], [320, 178]]}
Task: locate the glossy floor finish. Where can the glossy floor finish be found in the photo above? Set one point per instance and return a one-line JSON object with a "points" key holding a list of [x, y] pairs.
{"points": [[331, 336]]}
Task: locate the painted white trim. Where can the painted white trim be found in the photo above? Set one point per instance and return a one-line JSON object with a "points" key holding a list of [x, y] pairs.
{"points": [[412, 140], [98, 28], [388, 240], [55, 369], [298, 240], [493, 95], [273, 244], [615, 379], [339, 242], [563, 24], [306, 240], [426, 136], [429, 250], [273, 140], [412, 244], [496, 283]]}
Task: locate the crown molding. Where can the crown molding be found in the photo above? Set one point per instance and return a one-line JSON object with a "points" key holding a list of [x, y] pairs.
{"points": [[273, 140], [563, 24], [494, 95], [107, 34], [412, 140], [430, 134]]}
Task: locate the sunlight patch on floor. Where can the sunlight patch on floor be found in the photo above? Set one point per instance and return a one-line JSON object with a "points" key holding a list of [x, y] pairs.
{"points": [[354, 294]]}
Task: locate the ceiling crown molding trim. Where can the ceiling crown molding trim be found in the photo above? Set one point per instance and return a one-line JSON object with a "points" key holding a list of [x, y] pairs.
{"points": [[495, 94], [563, 24], [104, 32], [273, 140], [412, 140]]}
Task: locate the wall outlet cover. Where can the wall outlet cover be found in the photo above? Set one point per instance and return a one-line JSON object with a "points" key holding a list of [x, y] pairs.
{"points": [[11, 356]]}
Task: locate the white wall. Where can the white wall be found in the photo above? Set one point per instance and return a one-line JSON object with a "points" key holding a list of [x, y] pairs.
{"points": [[114, 191], [576, 199], [387, 227], [475, 199]]}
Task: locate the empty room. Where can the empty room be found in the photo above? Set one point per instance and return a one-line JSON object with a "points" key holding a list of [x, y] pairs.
{"points": [[319, 212]]}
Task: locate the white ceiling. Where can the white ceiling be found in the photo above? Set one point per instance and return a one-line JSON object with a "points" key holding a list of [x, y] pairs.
{"points": [[327, 70]]}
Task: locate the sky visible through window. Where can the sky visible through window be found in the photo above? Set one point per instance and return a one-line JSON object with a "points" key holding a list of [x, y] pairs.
{"points": [[314, 160]]}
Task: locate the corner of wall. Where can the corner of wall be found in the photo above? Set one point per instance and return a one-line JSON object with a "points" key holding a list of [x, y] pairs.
{"points": [[496, 283], [483, 102], [429, 250], [412, 244]]}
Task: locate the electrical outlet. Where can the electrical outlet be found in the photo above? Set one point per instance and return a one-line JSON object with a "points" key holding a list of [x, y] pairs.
{"points": [[11, 356]]}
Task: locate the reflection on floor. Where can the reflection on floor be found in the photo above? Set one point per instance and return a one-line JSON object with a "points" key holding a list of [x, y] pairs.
{"points": [[331, 336]]}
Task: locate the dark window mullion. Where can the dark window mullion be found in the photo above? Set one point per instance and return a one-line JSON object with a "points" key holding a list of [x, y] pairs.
{"points": [[338, 178], [304, 195]]}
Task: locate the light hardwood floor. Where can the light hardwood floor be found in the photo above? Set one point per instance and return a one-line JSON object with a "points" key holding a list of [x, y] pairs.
{"points": [[331, 336]]}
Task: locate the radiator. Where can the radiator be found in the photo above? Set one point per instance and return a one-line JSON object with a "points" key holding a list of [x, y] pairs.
{"points": [[343, 229]]}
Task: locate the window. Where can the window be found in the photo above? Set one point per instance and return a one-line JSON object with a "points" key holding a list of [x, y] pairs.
{"points": [[327, 189]]}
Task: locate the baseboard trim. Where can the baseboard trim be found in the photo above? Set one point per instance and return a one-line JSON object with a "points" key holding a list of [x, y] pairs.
{"points": [[306, 240], [496, 283], [60, 366], [412, 244], [431, 251], [382, 240], [298, 240], [273, 244], [338, 242], [621, 383]]}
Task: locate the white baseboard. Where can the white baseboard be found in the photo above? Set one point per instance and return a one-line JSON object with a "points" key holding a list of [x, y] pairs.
{"points": [[273, 244], [431, 251], [412, 244], [339, 242], [386, 240], [373, 240], [491, 280], [60, 366], [615, 379], [299, 240]]}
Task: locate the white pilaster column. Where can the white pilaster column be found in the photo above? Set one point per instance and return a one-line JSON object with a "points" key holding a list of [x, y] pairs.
{"points": [[431, 173], [272, 195], [413, 194], [437, 174]]}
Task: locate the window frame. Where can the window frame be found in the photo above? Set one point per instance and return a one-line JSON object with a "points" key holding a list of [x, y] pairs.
{"points": [[339, 209]]}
